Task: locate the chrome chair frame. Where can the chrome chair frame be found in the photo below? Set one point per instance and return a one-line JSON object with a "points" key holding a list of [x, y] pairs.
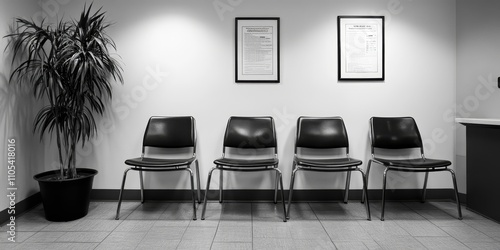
{"points": [[222, 168], [329, 168], [181, 165], [407, 168]]}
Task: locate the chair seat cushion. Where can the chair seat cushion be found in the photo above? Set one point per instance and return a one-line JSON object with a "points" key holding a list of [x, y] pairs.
{"points": [[160, 163], [231, 162], [328, 163], [414, 163]]}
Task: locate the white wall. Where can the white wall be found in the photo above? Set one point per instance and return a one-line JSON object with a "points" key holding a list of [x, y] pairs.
{"points": [[478, 67], [190, 46], [17, 111]]}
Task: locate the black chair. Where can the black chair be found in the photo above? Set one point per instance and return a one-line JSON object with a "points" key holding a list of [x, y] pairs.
{"points": [[393, 133], [247, 133], [324, 133], [166, 133]]}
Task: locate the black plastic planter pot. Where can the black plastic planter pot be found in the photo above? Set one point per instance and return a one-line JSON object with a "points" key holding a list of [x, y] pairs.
{"points": [[66, 200]]}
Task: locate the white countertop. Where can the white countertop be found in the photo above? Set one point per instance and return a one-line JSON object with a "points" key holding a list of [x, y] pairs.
{"points": [[482, 121]]}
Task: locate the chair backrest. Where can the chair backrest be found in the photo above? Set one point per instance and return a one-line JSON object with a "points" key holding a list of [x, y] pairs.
{"points": [[395, 133], [250, 133], [321, 133], [170, 132]]}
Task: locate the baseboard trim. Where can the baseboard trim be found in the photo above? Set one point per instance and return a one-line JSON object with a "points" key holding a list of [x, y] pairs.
{"points": [[308, 195], [463, 198], [21, 207]]}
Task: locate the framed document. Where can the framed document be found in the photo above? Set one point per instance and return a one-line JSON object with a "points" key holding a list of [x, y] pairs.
{"points": [[257, 49], [361, 48]]}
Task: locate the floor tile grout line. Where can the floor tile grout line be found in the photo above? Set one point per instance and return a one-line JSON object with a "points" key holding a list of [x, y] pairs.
{"points": [[416, 238], [108, 233], [470, 227], [215, 234], [426, 219], [121, 221], [139, 241], [323, 226], [183, 233], [128, 215], [255, 215], [251, 220]]}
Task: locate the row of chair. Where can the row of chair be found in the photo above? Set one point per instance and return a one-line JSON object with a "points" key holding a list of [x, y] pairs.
{"points": [[259, 133]]}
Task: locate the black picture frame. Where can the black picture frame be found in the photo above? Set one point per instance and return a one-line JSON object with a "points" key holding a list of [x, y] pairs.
{"points": [[257, 49], [361, 48]]}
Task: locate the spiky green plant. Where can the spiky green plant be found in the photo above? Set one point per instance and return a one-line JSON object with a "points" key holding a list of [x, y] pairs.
{"points": [[70, 65]]}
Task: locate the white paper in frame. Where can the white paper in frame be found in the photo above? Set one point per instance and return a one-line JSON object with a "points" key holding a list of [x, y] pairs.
{"points": [[361, 48], [257, 49]]}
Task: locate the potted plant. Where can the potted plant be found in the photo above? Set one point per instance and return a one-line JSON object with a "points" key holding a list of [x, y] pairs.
{"points": [[69, 66]]}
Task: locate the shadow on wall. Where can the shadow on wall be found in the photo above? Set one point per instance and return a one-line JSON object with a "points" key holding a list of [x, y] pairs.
{"points": [[17, 115]]}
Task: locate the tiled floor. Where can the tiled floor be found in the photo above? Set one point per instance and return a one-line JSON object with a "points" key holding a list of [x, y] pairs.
{"points": [[408, 225]]}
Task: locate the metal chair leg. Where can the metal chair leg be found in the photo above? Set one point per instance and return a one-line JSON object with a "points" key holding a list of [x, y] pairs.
{"points": [[121, 194], [282, 194], [292, 181], [142, 186], [383, 194], [276, 182], [459, 208], [367, 202], [221, 179], [367, 175], [198, 180], [191, 176], [347, 183], [192, 191], [424, 190], [206, 193]]}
